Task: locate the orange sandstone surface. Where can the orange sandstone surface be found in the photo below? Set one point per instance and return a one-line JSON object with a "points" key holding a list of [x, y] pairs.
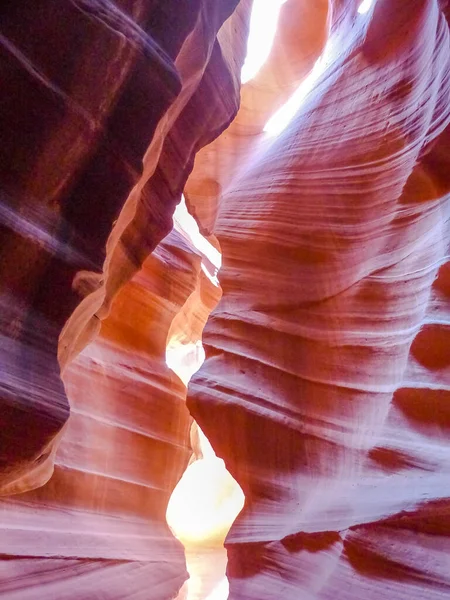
{"points": [[225, 300]]}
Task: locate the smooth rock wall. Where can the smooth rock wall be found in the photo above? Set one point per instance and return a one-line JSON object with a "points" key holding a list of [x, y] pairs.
{"points": [[326, 383], [103, 110]]}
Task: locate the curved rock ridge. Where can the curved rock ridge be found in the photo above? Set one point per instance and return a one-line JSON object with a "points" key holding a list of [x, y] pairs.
{"points": [[326, 386], [102, 516], [167, 85], [143, 73], [329, 349], [291, 57]]}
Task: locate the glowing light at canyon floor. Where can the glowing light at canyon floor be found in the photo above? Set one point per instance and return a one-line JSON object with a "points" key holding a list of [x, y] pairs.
{"points": [[207, 499], [263, 27]]}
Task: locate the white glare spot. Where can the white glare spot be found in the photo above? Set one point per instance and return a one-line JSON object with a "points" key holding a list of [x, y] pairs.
{"points": [[186, 225], [263, 26], [221, 591], [287, 112], [365, 6], [184, 359], [204, 503]]}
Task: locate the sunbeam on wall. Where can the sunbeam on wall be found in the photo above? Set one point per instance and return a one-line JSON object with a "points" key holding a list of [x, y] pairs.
{"points": [[263, 27], [207, 499], [281, 119], [365, 6]]}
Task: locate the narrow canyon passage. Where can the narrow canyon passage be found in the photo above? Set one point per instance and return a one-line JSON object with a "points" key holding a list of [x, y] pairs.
{"points": [[225, 300], [206, 500]]}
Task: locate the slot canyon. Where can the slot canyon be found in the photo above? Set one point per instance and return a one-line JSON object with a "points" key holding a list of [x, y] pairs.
{"points": [[224, 299]]}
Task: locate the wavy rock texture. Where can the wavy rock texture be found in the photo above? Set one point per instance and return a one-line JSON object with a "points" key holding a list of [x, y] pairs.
{"points": [[291, 57], [326, 384], [121, 455], [68, 164], [150, 83]]}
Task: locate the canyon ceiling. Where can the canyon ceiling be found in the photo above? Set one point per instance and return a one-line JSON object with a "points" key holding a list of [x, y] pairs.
{"points": [[224, 303]]}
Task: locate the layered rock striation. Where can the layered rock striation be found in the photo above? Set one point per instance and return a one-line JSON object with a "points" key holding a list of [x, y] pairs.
{"points": [[326, 382], [103, 109]]}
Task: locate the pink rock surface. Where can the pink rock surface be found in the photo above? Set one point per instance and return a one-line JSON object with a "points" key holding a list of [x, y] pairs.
{"points": [[98, 527], [334, 326], [326, 387]]}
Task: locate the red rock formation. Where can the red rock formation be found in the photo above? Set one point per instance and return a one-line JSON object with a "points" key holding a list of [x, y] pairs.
{"points": [[148, 82], [291, 57], [334, 326], [68, 164], [326, 384]]}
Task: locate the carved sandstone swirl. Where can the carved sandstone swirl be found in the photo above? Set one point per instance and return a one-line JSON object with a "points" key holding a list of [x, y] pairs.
{"points": [[98, 527], [326, 385], [191, 122], [69, 71], [142, 72], [291, 57]]}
